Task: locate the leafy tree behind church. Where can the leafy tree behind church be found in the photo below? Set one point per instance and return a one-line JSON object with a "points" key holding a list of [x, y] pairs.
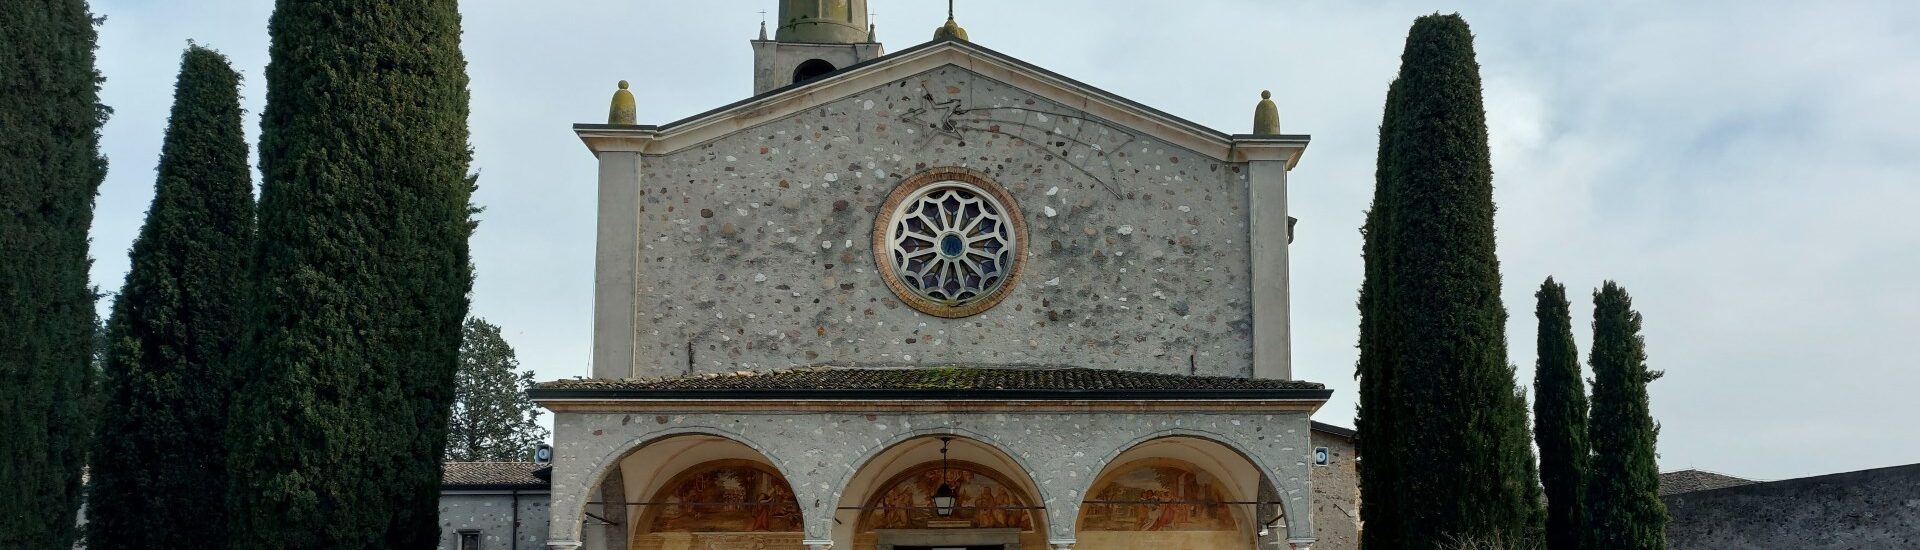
{"points": [[363, 275], [1439, 402], [492, 418], [159, 473], [1560, 420], [1624, 505], [50, 169]]}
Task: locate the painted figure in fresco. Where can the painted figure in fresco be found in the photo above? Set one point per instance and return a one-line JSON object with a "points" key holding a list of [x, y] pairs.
{"points": [[1159, 495], [763, 513], [733, 498], [981, 500]]}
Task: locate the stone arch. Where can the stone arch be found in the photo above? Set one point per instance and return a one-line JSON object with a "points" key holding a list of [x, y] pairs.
{"points": [[607, 467], [1024, 479], [599, 468], [1297, 524]]}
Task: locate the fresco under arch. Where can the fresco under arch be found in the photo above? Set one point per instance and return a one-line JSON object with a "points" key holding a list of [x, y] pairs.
{"points": [[985, 500], [1156, 503]]}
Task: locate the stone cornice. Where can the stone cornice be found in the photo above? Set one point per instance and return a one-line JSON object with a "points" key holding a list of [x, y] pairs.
{"points": [[779, 103]]}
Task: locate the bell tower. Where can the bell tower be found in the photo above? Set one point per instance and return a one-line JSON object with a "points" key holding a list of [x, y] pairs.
{"points": [[813, 38]]}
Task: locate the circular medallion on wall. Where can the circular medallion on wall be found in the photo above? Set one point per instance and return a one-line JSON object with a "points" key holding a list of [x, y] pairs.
{"points": [[950, 242]]}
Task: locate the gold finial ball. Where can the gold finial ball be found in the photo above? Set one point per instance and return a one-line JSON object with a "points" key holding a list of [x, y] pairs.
{"points": [[1264, 94], [623, 110]]}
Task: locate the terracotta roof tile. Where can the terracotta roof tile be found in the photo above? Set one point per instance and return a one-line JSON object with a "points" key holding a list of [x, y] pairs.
{"points": [[938, 378], [487, 474], [1687, 481]]}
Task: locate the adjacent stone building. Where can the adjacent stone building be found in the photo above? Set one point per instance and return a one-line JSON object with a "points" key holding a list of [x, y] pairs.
{"points": [[493, 506], [938, 297], [1336, 488]]}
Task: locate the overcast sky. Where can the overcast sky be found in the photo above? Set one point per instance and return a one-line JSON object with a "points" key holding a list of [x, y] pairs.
{"points": [[1747, 169]]}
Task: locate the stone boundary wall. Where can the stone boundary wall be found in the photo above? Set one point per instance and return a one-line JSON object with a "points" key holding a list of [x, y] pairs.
{"points": [[1877, 508]]}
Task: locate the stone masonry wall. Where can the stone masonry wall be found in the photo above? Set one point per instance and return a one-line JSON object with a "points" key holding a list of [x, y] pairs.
{"points": [[1336, 495], [491, 513], [1865, 509], [819, 453], [757, 252]]}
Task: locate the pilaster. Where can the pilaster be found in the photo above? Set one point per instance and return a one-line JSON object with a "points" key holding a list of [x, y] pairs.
{"points": [[1269, 158], [616, 271]]}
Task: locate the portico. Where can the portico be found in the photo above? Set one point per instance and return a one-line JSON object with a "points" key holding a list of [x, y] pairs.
{"points": [[1034, 461]]}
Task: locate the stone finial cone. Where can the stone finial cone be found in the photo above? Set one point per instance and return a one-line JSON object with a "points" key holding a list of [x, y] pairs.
{"points": [[623, 110], [1266, 116], [952, 30]]}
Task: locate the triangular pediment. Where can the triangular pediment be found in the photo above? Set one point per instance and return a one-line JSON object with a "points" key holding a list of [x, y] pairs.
{"points": [[777, 104]]}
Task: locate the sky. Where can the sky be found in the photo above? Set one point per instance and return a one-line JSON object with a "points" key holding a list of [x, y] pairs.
{"points": [[1748, 170]]}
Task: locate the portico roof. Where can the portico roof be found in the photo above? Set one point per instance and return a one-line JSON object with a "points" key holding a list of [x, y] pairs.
{"points": [[958, 381]]}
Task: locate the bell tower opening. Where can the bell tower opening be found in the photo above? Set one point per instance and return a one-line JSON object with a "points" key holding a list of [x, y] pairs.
{"points": [[811, 69], [812, 38]]}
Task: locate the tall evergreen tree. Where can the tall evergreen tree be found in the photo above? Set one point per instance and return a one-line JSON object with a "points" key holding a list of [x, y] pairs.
{"points": [[1380, 483], [1560, 420], [159, 474], [50, 169], [1456, 434], [493, 420], [364, 273], [1624, 507]]}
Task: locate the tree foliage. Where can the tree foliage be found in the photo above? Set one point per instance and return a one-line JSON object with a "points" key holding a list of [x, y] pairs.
{"points": [[1380, 481], [159, 473], [493, 420], [364, 272], [1560, 420], [1624, 507], [50, 169], [1442, 410]]}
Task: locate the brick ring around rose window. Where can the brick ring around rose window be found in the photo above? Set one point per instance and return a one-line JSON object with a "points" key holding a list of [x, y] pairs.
{"points": [[950, 242]]}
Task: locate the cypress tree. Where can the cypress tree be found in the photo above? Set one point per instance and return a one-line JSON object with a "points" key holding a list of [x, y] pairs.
{"points": [[50, 169], [1624, 507], [1457, 435], [363, 272], [1379, 480], [1560, 420], [159, 473]]}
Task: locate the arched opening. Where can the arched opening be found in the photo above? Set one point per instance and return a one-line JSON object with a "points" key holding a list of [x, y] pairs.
{"points": [[694, 491], [1175, 492], [889, 504], [811, 69]]}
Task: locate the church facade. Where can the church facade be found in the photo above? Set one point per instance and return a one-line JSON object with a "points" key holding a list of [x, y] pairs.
{"points": [[934, 298]]}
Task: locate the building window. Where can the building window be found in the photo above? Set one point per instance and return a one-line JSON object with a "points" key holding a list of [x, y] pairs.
{"points": [[950, 242], [469, 540]]}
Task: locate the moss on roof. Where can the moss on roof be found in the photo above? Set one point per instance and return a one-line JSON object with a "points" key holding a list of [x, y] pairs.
{"points": [[949, 377]]}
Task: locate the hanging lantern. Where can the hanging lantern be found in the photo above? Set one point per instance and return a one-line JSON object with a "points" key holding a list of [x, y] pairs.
{"points": [[943, 498]]}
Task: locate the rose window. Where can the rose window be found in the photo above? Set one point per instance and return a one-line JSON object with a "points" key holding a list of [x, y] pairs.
{"points": [[951, 244]]}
